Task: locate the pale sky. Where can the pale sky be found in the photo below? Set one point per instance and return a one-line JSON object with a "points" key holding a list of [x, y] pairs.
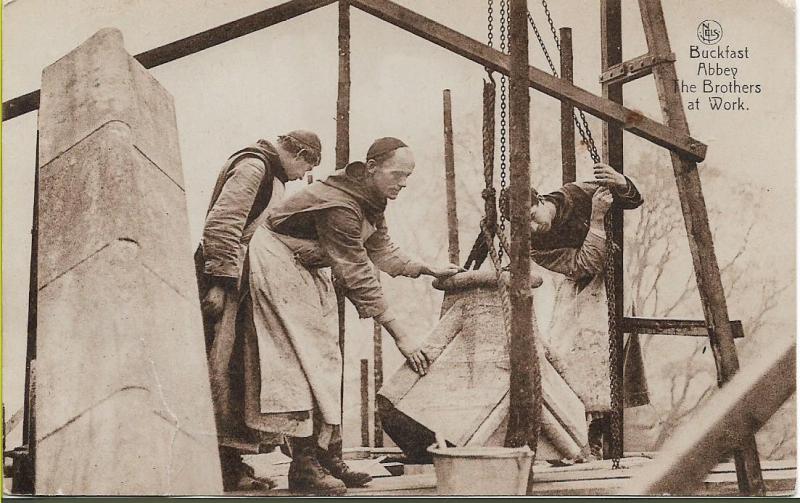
{"points": [[284, 77]]}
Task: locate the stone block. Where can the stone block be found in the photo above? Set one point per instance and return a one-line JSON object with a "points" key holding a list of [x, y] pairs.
{"points": [[97, 83], [122, 393], [103, 190], [123, 402]]}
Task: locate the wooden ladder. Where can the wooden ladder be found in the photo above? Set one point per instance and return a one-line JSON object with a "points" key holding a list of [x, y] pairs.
{"points": [[659, 61]]}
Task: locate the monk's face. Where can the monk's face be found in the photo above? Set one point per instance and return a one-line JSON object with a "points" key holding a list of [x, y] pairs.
{"points": [[391, 175], [297, 167], [542, 216]]}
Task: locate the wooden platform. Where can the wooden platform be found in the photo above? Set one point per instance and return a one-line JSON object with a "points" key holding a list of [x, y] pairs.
{"points": [[596, 478]]}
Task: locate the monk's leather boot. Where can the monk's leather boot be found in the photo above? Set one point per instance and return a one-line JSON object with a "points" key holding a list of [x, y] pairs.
{"points": [[332, 461], [306, 475]]}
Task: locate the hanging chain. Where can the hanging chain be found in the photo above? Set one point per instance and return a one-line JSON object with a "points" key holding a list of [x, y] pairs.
{"points": [[579, 117], [610, 268], [552, 26], [490, 22], [504, 42], [613, 345]]}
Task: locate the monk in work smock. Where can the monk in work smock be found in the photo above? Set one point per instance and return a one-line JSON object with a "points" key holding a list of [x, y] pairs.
{"points": [[250, 181], [568, 237], [293, 328]]}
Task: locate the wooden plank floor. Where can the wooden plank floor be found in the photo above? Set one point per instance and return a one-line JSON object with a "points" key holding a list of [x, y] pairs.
{"points": [[596, 478]]}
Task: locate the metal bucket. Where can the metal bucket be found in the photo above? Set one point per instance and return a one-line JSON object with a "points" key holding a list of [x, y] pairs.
{"points": [[481, 470]]}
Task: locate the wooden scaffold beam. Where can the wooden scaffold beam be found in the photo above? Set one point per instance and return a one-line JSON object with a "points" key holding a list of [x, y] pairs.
{"points": [[525, 391]]}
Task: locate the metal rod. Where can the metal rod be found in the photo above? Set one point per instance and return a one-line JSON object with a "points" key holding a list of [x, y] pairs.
{"points": [[377, 363], [364, 402], [701, 243], [611, 54], [567, 110], [664, 326], [343, 149], [525, 391], [450, 178]]}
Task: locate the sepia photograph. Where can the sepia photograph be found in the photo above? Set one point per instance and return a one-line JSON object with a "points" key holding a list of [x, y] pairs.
{"points": [[387, 248]]}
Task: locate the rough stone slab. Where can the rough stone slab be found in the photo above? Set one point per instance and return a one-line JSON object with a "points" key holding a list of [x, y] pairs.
{"points": [[96, 83], [464, 395], [469, 378], [103, 190], [128, 410]]}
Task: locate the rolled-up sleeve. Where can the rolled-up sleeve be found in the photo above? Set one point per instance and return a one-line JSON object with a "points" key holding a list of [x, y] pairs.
{"points": [[226, 220], [388, 256], [339, 231], [575, 263], [628, 198]]}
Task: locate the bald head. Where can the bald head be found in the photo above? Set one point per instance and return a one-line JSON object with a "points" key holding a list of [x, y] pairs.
{"points": [[389, 173]]}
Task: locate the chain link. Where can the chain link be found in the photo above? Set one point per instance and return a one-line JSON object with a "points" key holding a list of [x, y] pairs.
{"points": [[504, 43], [552, 26], [490, 22], [613, 346], [579, 117]]}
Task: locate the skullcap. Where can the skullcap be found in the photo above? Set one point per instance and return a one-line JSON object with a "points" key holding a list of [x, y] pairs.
{"points": [[307, 140], [383, 146]]}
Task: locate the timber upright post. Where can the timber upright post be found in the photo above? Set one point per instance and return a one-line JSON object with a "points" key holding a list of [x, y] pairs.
{"points": [[701, 244], [450, 179], [123, 403], [567, 111], [525, 391], [343, 152], [612, 154]]}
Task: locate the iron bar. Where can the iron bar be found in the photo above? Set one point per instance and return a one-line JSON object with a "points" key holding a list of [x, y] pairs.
{"points": [[633, 69], [664, 326], [567, 110], [364, 402], [450, 179]]}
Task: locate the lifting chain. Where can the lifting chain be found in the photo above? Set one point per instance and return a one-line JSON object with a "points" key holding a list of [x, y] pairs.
{"points": [[504, 43], [614, 343], [580, 118]]}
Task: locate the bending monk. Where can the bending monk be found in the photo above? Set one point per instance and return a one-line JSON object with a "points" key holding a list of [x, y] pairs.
{"points": [[568, 237], [293, 330]]}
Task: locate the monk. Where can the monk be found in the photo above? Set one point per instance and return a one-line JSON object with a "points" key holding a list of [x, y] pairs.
{"points": [[250, 181], [292, 337], [568, 237]]}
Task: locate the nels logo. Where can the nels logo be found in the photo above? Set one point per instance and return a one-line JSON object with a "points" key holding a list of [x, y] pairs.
{"points": [[709, 32]]}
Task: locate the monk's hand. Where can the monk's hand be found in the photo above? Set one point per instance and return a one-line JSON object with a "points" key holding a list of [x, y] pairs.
{"points": [[214, 301], [443, 271], [609, 177], [601, 202], [416, 357]]}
